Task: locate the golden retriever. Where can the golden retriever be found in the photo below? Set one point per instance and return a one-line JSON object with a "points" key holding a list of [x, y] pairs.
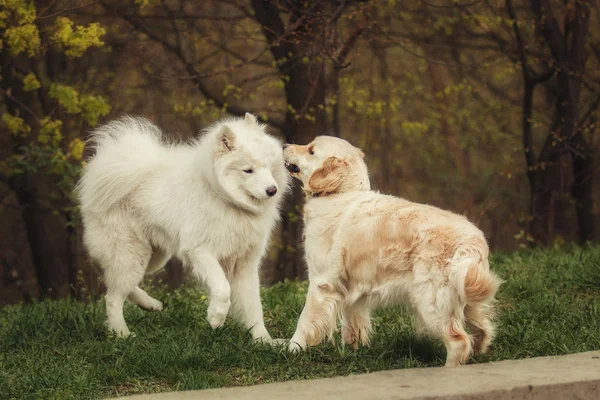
{"points": [[366, 250]]}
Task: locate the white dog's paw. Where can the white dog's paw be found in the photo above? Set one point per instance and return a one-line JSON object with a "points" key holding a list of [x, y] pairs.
{"points": [[217, 313], [155, 305], [294, 347], [151, 305], [121, 332]]}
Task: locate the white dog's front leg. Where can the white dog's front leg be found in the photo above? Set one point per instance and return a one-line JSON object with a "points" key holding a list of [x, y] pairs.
{"points": [[208, 270], [245, 301]]}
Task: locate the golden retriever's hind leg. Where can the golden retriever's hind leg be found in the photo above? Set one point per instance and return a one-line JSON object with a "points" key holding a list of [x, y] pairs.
{"points": [[458, 344], [481, 326], [450, 329], [356, 325]]}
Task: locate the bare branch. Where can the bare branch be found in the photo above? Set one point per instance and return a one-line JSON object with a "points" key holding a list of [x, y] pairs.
{"points": [[193, 73], [42, 16], [267, 15], [455, 5], [520, 45], [20, 104], [340, 58], [588, 114], [550, 28], [413, 53], [193, 17]]}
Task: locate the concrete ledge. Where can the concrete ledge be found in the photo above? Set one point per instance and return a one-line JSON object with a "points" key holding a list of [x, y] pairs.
{"points": [[575, 376]]}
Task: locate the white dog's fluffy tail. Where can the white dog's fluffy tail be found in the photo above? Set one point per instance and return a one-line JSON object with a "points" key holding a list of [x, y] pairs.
{"points": [[126, 152]]}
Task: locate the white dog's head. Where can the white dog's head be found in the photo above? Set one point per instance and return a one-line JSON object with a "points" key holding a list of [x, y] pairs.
{"points": [[248, 164], [327, 165]]}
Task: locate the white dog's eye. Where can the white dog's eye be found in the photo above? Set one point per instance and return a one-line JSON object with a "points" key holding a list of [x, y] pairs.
{"points": [[248, 171], [311, 150]]}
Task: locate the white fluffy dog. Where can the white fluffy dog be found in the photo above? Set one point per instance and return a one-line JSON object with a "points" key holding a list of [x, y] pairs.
{"points": [[365, 250], [212, 203]]}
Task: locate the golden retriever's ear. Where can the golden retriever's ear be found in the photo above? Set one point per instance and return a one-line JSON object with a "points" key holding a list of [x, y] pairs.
{"points": [[329, 177]]}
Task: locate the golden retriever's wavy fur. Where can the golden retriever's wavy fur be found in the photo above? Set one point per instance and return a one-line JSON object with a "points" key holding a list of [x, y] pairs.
{"points": [[365, 250]]}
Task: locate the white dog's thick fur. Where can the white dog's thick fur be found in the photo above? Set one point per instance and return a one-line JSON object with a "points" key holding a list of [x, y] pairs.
{"points": [[212, 203], [365, 250]]}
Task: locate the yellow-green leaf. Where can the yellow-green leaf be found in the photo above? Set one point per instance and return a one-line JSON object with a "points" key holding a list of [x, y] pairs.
{"points": [[30, 82], [50, 131], [94, 107], [76, 148], [24, 38], [16, 125], [66, 97], [77, 40]]}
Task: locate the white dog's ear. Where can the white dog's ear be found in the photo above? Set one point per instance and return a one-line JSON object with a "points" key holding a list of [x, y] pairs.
{"points": [[226, 139], [250, 118], [329, 177]]}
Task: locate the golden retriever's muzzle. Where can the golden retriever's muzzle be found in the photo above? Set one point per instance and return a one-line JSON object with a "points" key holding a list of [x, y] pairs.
{"points": [[293, 168]]}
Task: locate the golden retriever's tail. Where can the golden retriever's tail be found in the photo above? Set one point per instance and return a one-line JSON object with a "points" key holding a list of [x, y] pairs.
{"points": [[475, 281], [477, 286], [480, 284]]}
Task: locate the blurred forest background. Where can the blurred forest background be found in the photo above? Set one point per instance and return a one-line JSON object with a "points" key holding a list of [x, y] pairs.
{"points": [[486, 107]]}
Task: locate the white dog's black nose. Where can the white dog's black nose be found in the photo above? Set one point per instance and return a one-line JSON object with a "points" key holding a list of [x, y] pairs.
{"points": [[271, 191], [285, 146]]}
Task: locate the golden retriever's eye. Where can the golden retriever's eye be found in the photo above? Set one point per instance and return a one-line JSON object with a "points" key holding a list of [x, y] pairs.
{"points": [[311, 150], [248, 171]]}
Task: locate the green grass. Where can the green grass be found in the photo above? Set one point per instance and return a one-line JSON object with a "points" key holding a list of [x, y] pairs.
{"points": [[549, 305]]}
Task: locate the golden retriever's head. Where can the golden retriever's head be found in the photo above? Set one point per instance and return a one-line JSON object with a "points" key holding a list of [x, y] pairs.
{"points": [[327, 165]]}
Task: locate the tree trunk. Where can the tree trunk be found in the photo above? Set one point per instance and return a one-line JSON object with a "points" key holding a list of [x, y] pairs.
{"points": [[305, 92], [582, 192], [440, 79], [294, 51], [382, 129], [583, 173], [550, 203], [44, 236], [554, 184], [46, 233]]}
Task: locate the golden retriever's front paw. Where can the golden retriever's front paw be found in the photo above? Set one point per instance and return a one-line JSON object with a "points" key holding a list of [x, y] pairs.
{"points": [[294, 347]]}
